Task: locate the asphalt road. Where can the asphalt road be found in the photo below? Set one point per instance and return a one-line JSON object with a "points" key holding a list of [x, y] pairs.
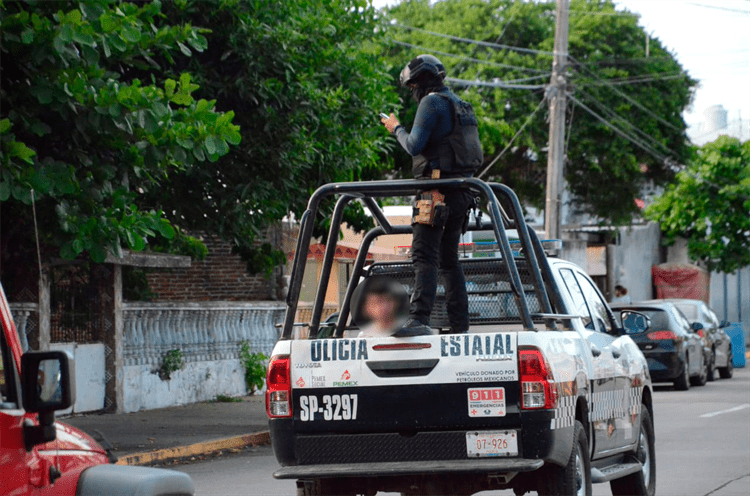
{"points": [[702, 449]]}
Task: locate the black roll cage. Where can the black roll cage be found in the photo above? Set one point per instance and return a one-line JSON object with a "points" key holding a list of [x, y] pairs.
{"points": [[531, 247]]}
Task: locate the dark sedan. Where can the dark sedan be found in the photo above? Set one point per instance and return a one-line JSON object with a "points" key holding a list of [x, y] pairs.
{"points": [[671, 345], [719, 342]]}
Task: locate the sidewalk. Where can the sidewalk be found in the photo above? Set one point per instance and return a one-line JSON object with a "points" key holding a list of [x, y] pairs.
{"points": [[149, 436]]}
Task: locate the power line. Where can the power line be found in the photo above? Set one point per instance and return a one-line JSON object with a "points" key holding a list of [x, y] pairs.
{"points": [[614, 115], [507, 147], [470, 59], [646, 78], [476, 42], [628, 98], [619, 131], [497, 84], [741, 11]]}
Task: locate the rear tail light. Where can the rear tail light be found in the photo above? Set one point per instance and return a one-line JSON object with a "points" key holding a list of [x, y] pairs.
{"points": [[700, 332], [538, 388], [661, 335], [278, 388]]}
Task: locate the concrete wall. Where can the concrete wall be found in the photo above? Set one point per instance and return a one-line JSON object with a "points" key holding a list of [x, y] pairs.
{"points": [[197, 381], [637, 251]]}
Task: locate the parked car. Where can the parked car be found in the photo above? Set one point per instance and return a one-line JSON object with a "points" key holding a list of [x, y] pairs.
{"points": [[672, 345], [719, 342]]}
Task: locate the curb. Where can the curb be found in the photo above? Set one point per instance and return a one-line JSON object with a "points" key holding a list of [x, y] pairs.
{"points": [[256, 439]]}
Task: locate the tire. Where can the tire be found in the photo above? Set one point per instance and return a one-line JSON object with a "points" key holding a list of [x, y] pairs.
{"points": [[317, 487], [575, 478], [700, 379], [710, 367], [641, 483], [682, 383], [728, 371]]}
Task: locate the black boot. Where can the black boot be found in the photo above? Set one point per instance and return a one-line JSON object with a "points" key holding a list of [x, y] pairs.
{"points": [[412, 327]]}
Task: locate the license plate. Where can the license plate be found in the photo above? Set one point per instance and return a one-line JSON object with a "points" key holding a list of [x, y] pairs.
{"points": [[493, 443]]}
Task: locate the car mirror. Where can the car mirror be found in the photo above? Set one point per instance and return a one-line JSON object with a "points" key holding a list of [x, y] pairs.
{"points": [[724, 323], [46, 381], [634, 322]]}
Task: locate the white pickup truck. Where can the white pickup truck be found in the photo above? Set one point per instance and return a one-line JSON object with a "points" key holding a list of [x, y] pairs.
{"points": [[545, 393]]}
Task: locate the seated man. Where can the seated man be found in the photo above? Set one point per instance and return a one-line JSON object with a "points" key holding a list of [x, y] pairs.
{"points": [[380, 308]]}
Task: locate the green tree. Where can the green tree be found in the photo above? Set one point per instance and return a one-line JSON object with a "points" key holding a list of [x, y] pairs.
{"points": [[608, 71], [708, 205], [127, 121], [83, 141], [307, 84]]}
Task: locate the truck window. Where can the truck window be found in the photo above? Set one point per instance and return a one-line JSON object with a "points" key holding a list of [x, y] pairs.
{"points": [[579, 302], [596, 304]]}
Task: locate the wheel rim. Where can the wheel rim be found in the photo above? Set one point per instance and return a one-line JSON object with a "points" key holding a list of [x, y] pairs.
{"points": [[644, 456], [580, 473]]}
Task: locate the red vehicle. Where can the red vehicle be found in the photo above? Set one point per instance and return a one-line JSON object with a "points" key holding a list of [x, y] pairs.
{"points": [[39, 456]]}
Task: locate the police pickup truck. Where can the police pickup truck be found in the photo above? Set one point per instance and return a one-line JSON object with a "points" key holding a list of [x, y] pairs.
{"points": [[545, 393]]}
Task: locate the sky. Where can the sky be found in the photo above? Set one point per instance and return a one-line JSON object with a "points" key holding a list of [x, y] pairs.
{"points": [[709, 38]]}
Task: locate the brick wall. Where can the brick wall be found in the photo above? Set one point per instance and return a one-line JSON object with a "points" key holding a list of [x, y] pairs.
{"points": [[221, 276]]}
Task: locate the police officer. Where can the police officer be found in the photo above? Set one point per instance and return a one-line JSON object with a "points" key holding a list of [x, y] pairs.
{"points": [[443, 143]]}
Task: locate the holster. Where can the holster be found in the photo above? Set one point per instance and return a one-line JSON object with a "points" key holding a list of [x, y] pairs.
{"points": [[430, 209]]}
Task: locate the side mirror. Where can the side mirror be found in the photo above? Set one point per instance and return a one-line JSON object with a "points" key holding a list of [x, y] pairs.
{"points": [[724, 323], [46, 387], [634, 322]]}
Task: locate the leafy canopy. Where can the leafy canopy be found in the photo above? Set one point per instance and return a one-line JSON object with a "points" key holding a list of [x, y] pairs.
{"points": [[82, 138], [608, 72], [709, 204], [132, 125]]}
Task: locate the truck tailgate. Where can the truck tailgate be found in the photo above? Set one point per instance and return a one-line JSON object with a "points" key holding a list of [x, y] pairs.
{"points": [[405, 385]]}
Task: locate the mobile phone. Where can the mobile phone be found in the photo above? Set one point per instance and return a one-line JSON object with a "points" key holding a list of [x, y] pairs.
{"points": [[384, 116]]}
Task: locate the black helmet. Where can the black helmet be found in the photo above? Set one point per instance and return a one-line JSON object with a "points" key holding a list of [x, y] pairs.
{"points": [[422, 64]]}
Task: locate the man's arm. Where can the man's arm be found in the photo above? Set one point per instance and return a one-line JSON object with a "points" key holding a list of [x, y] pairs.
{"points": [[433, 118]]}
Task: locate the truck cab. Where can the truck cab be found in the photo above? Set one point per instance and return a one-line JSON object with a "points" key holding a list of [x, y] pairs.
{"points": [[39, 456], [546, 392]]}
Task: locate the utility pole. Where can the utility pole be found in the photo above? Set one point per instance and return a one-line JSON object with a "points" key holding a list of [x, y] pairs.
{"points": [[556, 148]]}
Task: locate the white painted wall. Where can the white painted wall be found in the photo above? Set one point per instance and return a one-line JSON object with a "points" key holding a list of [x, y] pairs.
{"points": [[197, 381], [89, 375]]}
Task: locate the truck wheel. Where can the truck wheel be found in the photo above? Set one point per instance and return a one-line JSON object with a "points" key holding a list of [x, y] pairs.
{"points": [[682, 383], [641, 483], [575, 478]]}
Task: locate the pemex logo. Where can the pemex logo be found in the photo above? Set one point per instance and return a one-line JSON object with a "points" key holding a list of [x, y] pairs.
{"points": [[345, 380]]}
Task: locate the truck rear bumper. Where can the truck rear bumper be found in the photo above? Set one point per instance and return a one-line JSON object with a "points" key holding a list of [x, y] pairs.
{"points": [[394, 469]]}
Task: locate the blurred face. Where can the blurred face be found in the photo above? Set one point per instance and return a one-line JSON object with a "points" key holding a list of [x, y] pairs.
{"points": [[381, 308]]}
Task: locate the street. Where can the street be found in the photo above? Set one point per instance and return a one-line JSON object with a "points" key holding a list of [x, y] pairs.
{"points": [[702, 449]]}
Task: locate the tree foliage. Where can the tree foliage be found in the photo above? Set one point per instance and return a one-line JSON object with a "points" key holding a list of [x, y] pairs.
{"points": [[608, 71], [134, 120], [709, 205], [83, 140], [306, 85]]}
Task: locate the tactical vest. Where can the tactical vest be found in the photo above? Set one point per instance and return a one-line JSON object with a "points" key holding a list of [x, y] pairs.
{"points": [[457, 155]]}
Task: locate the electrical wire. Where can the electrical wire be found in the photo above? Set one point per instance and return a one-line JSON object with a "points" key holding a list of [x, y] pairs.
{"points": [[630, 127], [628, 98], [619, 131], [635, 79], [507, 147], [498, 84], [470, 59], [475, 42]]}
